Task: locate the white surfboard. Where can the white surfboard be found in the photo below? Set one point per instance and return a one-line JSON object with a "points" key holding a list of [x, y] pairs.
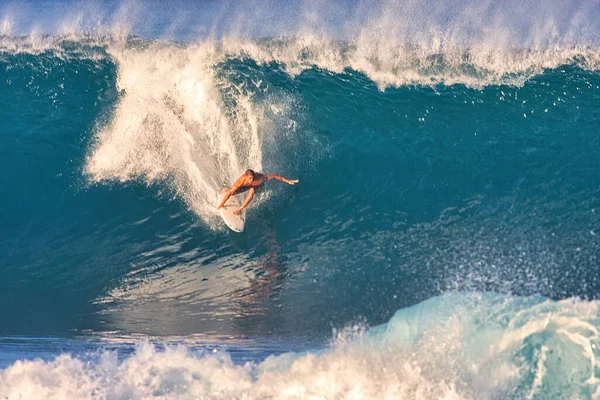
{"points": [[234, 222]]}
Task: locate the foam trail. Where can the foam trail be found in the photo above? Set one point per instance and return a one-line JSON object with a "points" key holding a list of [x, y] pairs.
{"points": [[172, 125]]}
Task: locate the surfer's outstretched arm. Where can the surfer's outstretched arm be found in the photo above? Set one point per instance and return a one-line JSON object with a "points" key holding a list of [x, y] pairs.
{"points": [[281, 178], [246, 202]]}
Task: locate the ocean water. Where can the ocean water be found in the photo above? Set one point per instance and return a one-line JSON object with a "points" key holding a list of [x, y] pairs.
{"points": [[442, 243]]}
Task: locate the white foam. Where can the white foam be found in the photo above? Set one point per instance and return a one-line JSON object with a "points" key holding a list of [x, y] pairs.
{"points": [[389, 62], [448, 348], [171, 125]]}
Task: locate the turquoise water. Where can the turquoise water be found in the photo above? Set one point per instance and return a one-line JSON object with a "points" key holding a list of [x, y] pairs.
{"points": [[442, 241]]}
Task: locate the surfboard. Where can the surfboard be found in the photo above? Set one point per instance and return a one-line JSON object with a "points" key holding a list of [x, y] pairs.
{"points": [[234, 222]]}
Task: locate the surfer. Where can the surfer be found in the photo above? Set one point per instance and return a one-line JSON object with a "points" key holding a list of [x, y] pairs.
{"points": [[250, 181]]}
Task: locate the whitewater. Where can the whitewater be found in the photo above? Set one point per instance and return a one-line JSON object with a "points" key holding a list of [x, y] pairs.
{"points": [[443, 241]]}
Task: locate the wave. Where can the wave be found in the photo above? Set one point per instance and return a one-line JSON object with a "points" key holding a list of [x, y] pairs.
{"points": [[460, 187], [186, 115], [457, 346]]}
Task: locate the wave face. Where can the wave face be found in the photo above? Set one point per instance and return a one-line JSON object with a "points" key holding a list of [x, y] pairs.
{"points": [[459, 346], [119, 147]]}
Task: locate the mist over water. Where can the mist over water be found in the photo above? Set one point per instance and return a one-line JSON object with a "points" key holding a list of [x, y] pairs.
{"points": [[430, 23]]}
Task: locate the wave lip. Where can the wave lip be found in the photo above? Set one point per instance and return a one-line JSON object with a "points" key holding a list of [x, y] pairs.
{"points": [[458, 346], [388, 63]]}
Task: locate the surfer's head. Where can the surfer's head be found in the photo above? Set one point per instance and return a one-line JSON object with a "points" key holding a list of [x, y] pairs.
{"points": [[250, 173]]}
